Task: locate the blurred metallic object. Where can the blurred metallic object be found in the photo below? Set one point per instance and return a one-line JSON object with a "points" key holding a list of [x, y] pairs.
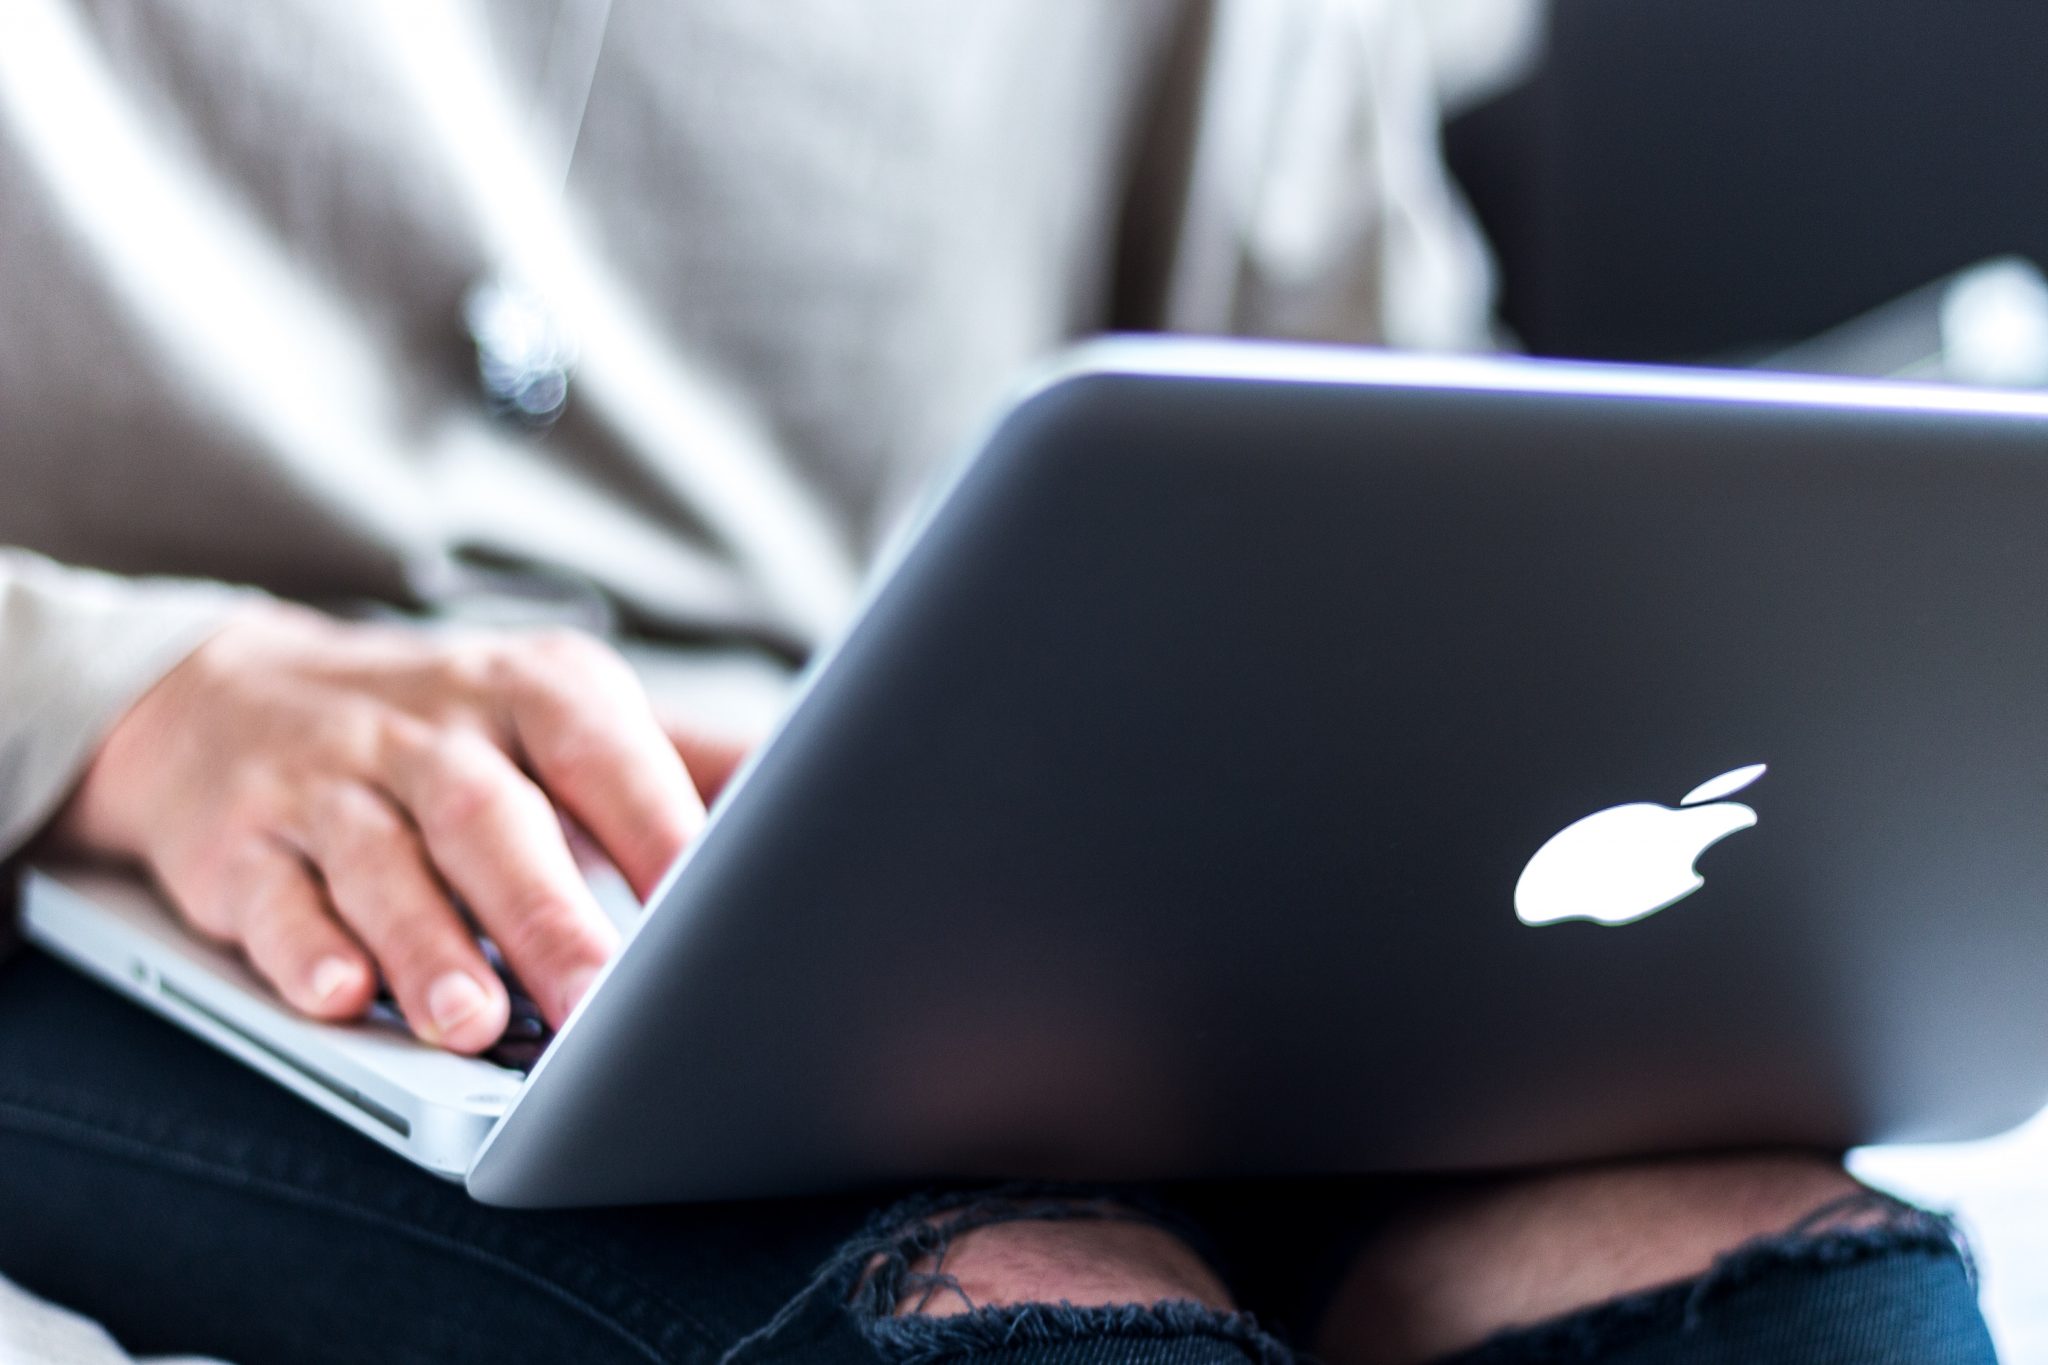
{"points": [[525, 354], [1987, 326]]}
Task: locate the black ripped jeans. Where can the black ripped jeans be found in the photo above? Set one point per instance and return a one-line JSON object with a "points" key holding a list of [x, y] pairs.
{"points": [[192, 1206]]}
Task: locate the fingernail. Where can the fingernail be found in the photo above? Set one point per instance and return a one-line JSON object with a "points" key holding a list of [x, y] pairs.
{"points": [[453, 1000], [576, 987], [332, 976]]}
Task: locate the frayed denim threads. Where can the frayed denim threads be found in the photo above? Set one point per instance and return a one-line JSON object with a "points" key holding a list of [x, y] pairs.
{"points": [[876, 1272]]}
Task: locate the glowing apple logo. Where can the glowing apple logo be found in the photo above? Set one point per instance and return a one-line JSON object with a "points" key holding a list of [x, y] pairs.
{"points": [[1623, 863]]}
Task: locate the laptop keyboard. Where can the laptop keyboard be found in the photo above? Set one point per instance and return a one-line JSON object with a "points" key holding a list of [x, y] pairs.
{"points": [[526, 1035]]}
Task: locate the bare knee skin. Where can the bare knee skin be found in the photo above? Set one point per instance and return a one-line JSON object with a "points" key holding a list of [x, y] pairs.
{"points": [[1087, 1262], [1470, 1258]]}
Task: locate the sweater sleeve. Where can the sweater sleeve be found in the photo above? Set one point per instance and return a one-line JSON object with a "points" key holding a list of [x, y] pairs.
{"points": [[1318, 206], [77, 648], [33, 1332]]}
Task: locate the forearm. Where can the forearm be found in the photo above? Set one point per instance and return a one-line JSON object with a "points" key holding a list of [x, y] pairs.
{"points": [[77, 648]]}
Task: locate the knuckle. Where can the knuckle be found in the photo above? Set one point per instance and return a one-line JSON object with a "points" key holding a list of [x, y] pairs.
{"points": [[351, 731], [558, 657], [458, 797], [466, 666], [358, 819], [563, 643], [404, 740], [254, 798], [216, 878], [468, 782]]}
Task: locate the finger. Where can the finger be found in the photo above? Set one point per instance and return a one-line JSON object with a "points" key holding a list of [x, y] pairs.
{"points": [[711, 760], [259, 896], [496, 840], [587, 730], [291, 937], [380, 884]]}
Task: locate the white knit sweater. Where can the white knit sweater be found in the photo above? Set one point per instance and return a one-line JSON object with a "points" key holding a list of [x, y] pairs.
{"points": [[805, 248]]}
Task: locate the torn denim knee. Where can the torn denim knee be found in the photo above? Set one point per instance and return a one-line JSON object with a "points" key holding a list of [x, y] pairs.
{"points": [[1866, 1279], [1177, 1332], [873, 1277]]}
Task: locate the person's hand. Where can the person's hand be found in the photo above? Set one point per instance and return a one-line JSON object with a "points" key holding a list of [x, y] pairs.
{"points": [[323, 796]]}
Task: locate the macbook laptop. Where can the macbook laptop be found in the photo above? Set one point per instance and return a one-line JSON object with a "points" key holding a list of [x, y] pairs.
{"points": [[1268, 759]]}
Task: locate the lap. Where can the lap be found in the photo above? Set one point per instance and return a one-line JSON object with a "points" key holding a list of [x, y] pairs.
{"points": [[191, 1205], [1896, 1295]]}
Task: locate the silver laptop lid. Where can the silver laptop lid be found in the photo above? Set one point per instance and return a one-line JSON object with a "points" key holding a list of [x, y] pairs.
{"points": [[1164, 812]]}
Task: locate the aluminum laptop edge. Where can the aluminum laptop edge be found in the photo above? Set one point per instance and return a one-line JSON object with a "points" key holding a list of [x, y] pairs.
{"points": [[1268, 759]]}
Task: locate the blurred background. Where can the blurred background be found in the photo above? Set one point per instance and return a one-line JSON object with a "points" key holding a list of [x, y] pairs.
{"points": [[1705, 181]]}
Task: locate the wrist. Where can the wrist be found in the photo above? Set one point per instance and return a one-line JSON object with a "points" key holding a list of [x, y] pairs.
{"points": [[129, 772]]}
